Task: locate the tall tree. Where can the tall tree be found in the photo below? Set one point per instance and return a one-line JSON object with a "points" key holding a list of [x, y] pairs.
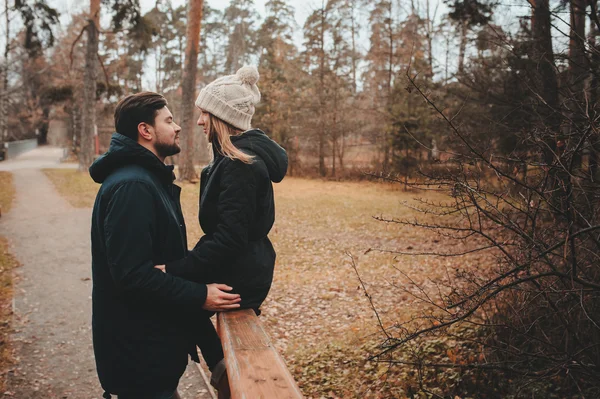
{"points": [[594, 36], [282, 78], [578, 65], [382, 58], [353, 7], [88, 121], [315, 30], [188, 88], [240, 19], [545, 82], [430, 31], [341, 55], [168, 45], [214, 33], [4, 82], [468, 14], [125, 15], [278, 69], [38, 19], [407, 111]]}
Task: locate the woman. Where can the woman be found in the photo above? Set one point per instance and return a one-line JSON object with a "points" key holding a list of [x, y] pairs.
{"points": [[237, 208]]}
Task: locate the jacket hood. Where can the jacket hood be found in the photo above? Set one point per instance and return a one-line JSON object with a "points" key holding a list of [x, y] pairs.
{"points": [[125, 151], [273, 155]]}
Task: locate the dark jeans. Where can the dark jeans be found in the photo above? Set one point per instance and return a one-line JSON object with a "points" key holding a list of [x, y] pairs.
{"points": [[158, 395], [208, 341], [170, 394]]}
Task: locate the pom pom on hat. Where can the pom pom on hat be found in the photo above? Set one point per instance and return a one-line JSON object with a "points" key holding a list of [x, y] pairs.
{"points": [[248, 74]]}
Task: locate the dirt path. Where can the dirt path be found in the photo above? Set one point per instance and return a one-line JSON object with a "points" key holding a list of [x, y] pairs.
{"points": [[52, 296]]}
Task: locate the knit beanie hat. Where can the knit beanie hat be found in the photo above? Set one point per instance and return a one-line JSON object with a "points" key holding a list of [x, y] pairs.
{"points": [[232, 98]]}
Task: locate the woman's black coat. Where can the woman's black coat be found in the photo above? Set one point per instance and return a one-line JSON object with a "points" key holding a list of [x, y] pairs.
{"points": [[237, 211]]}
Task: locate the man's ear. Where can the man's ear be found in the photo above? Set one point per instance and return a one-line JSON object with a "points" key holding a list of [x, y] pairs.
{"points": [[145, 131]]}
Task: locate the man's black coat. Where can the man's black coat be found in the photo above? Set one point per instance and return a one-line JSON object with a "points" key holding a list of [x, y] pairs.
{"points": [[140, 341], [237, 212]]}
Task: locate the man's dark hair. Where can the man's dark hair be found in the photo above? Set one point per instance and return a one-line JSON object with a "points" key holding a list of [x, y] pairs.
{"points": [[135, 109]]}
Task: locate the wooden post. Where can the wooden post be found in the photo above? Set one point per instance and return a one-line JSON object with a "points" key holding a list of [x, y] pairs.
{"points": [[254, 367]]}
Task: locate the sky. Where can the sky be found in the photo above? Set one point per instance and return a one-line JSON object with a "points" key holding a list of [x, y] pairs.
{"points": [[303, 7]]}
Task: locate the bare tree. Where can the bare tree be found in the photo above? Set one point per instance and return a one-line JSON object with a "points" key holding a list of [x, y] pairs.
{"points": [[4, 82], [188, 88], [531, 314], [88, 120]]}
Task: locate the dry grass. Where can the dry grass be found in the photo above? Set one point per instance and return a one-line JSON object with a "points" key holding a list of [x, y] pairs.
{"points": [[7, 263], [316, 313], [7, 191], [76, 187]]}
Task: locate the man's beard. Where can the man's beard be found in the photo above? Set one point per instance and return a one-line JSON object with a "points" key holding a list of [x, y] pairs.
{"points": [[166, 149]]}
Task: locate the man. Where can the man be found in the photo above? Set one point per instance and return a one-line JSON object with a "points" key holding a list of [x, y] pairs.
{"points": [[139, 322]]}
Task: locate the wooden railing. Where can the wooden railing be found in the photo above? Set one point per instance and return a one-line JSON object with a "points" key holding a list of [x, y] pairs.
{"points": [[13, 148], [254, 367]]}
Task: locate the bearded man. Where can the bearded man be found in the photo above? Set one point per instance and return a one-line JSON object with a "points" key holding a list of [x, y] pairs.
{"points": [[140, 319]]}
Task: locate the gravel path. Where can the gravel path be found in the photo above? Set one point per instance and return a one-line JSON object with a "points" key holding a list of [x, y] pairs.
{"points": [[52, 295]]}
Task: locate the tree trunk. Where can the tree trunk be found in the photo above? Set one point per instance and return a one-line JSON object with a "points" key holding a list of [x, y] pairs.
{"points": [[463, 46], [546, 84], [577, 59], [322, 130], [390, 71], [4, 88], [354, 58], [88, 125], [578, 73], [188, 89], [334, 137], [593, 90], [429, 38], [341, 149]]}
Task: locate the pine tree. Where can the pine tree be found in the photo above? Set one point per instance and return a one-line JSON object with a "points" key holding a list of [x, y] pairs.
{"points": [[468, 14], [382, 58], [240, 19], [317, 64]]}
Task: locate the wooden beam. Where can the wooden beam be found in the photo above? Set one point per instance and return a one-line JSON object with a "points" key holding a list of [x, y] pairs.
{"points": [[254, 367]]}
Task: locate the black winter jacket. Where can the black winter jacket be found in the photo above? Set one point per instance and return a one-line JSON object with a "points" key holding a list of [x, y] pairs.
{"points": [[140, 341], [237, 212]]}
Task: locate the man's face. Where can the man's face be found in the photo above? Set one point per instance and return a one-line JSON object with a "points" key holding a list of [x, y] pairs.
{"points": [[166, 132]]}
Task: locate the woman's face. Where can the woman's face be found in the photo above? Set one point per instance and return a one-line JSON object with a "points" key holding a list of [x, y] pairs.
{"points": [[203, 121]]}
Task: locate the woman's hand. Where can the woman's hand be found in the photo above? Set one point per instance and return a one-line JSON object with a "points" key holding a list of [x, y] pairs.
{"points": [[218, 299], [162, 268]]}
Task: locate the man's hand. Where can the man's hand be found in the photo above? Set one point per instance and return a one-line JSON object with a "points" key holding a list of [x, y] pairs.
{"points": [[218, 299], [162, 268]]}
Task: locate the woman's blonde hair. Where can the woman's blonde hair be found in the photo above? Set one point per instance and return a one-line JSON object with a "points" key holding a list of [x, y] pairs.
{"points": [[221, 131]]}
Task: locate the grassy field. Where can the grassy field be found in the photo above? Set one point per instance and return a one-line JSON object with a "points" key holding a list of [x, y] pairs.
{"points": [[7, 263], [317, 312]]}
